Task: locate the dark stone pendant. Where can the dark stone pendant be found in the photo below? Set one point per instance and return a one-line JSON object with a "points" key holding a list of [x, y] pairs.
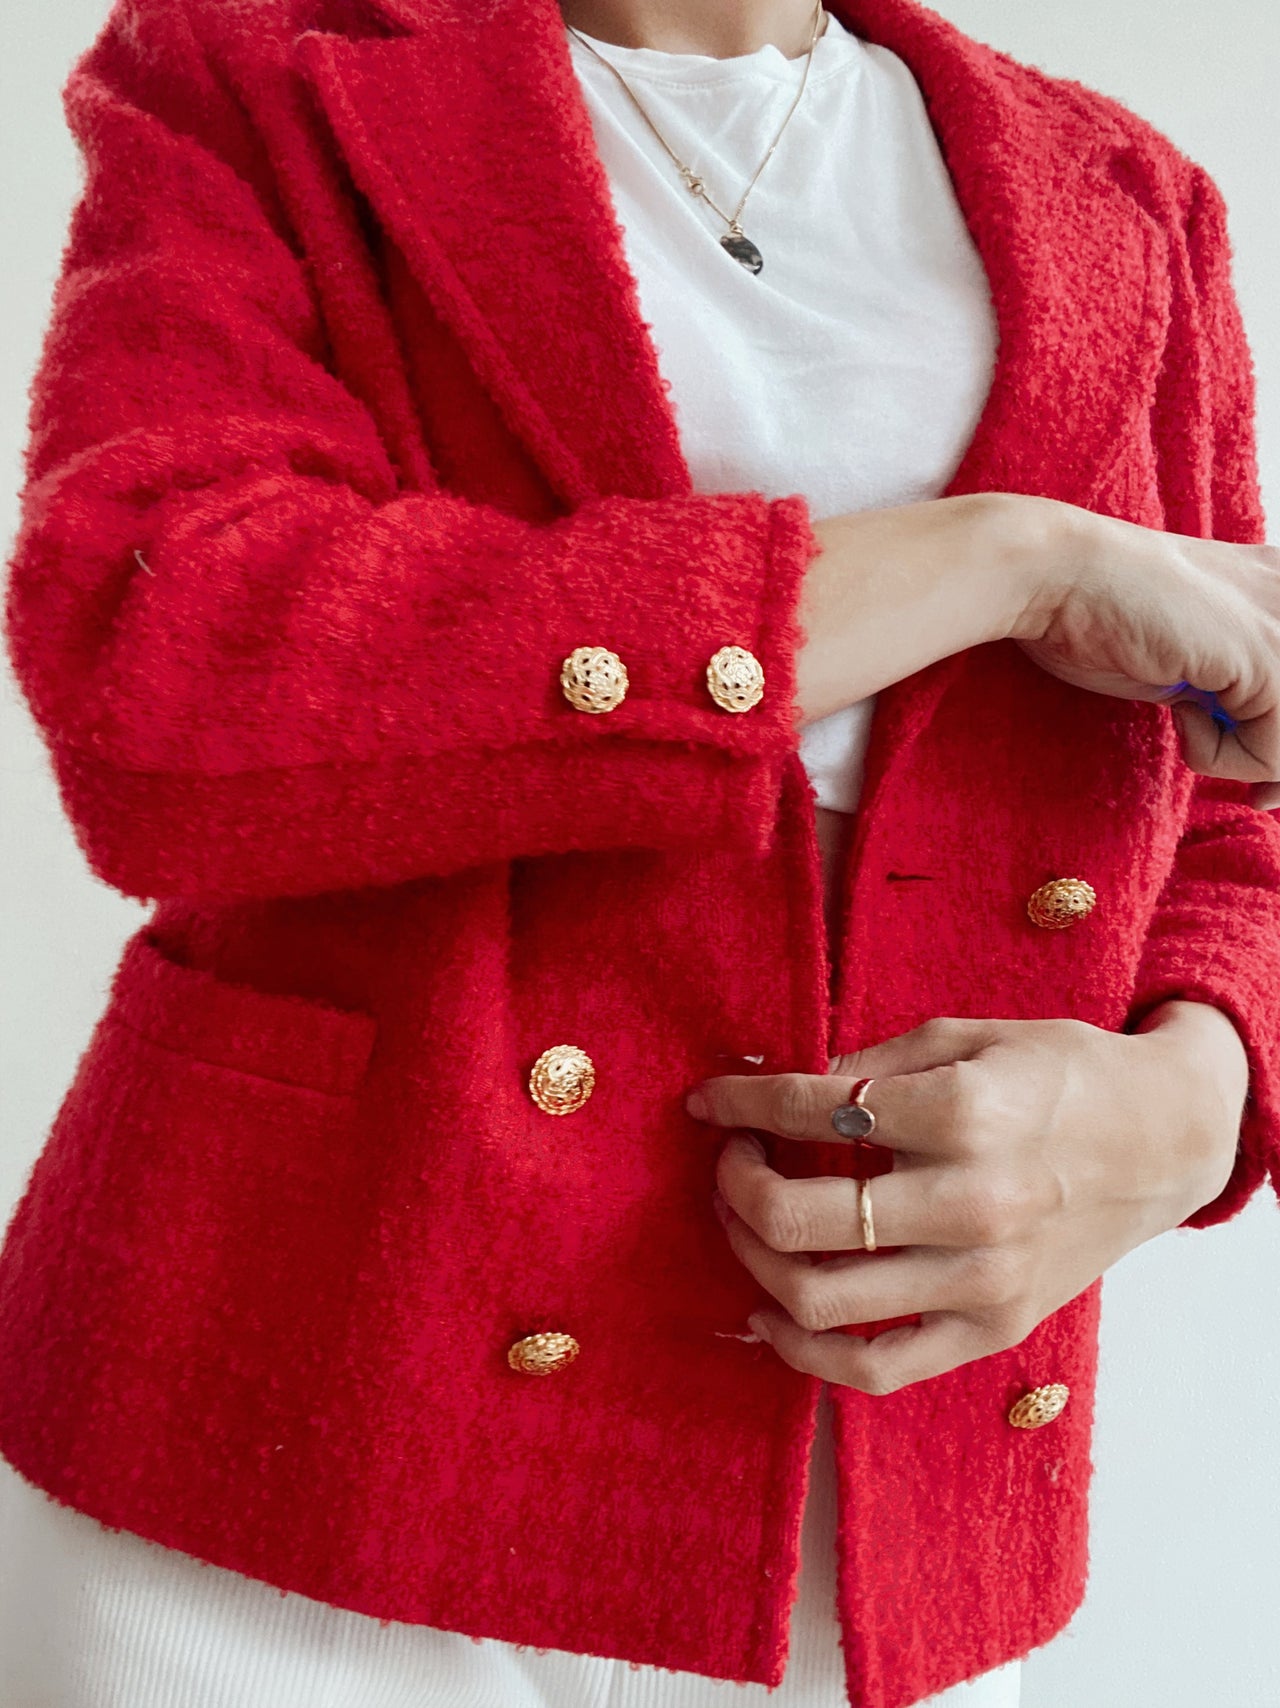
{"points": [[743, 250]]}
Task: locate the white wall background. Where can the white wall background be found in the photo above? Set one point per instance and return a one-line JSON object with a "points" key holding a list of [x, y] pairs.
{"points": [[1185, 1587]]}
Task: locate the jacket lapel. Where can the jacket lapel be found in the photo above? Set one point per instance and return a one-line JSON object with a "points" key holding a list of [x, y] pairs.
{"points": [[1077, 269], [469, 137]]}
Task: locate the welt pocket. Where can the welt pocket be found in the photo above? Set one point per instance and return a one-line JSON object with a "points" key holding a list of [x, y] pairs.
{"points": [[300, 1041]]}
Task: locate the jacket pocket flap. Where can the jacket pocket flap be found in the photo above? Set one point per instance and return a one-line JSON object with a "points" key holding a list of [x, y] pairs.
{"points": [[299, 1040]]}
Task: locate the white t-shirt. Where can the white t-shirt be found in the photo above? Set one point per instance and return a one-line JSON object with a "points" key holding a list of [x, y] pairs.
{"points": [[853, 370], [854, 367]]}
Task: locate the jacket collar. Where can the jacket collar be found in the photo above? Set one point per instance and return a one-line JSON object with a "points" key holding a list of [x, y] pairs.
{"points": [[463, 124]]}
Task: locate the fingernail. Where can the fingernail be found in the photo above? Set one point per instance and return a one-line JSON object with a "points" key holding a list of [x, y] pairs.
{"points": [[720, 1207], [697, 1105], [759, 1326]]}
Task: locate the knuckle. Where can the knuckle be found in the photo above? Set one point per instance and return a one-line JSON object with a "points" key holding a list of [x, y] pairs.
{"points": [[795, 1104], [995, 1279], [872, 1376], [1011, 1325], [942, 1032], [1079, 1034], [972, 1105], [986, 1217], [963, 1114], [810, 1303], [997, 1207], [781, 1224]]}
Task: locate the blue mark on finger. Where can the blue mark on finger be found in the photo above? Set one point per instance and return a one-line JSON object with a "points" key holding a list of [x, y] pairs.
{"points": [[1207, 701]]}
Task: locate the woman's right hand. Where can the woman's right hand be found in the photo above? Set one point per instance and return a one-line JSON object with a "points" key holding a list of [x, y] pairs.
{"points": [[1129, 611], [1106, 605]]}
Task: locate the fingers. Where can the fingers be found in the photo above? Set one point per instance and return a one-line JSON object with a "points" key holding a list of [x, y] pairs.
{"points": [[885, 1363], [1246, 753], [911, 1205], [858, 1288], [921, 1108]]}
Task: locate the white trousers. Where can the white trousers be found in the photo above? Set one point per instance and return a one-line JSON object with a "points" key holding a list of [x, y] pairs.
{"points": [[96, 1618]]}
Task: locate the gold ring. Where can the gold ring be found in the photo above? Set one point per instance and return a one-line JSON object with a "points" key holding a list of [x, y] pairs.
{"points": [[853, 1120], [864, 1215]]}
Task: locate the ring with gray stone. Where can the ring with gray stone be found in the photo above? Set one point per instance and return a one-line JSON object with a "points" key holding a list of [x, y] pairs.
{"points": [[853, 1120]]}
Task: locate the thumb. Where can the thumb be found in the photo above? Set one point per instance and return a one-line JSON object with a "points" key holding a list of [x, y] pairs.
{"points": [[934, 1044]]}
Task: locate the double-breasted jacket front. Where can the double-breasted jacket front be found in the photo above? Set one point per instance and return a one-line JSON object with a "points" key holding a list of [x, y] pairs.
{"points": [[347, 433]]}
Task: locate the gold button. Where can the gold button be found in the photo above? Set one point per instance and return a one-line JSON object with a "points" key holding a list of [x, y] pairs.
{"points": [[562, 1079], [594, 679], [1061, 902], [1041, 1405], [735, 678], [542, 1354]]}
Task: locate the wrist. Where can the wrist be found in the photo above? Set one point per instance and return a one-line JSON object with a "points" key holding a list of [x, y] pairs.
{"points": [[1007, 548], [1198, 1048], [1043, 543]]}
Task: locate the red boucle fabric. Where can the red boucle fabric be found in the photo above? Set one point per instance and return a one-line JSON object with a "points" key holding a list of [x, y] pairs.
{"points": [[347, 430]]}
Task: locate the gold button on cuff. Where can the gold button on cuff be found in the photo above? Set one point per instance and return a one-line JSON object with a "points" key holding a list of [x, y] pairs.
{"points": [[562, 1079], [542, 1354], [735, 678], [593, 679], [1040, 1406], [1061, 902]]}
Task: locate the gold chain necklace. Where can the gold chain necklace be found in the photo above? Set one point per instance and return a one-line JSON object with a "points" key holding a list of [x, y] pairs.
{"points": [[734, 240]]}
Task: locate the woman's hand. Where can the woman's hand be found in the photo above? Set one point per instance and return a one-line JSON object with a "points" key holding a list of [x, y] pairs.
{"points": [[1103, 604], [1029, 1155], [1125, 610]]}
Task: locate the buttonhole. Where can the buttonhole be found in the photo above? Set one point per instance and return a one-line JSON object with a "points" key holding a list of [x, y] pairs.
{"points": [[909, 877]]}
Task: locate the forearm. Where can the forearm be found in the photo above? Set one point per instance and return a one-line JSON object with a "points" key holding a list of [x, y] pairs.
{"points": [[895, 590], [1103, 604]]}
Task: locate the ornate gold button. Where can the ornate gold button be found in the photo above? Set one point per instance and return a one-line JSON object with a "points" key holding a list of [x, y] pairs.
{"points": [[1041, 1405], [542, 1354], [1061, 902], [735, 678], [562, 1079], [594, 679]]}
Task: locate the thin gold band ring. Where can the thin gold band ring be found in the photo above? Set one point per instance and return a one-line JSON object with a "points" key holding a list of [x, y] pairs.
{"points": [[864, 1215]]}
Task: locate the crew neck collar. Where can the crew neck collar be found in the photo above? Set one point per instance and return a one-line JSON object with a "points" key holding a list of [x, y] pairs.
{"points": [[656, 64]]}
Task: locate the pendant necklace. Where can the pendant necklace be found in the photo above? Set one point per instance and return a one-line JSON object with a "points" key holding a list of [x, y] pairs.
{"points": [[734, 240]]}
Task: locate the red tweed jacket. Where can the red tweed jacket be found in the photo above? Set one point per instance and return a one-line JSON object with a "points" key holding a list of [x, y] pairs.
{"points": [[346, 433]]}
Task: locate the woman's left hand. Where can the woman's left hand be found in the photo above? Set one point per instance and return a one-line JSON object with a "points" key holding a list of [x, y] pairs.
{"points": [[1029, 1155]]}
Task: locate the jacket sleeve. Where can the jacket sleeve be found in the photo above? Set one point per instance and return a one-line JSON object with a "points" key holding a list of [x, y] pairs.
{"points": [[262, 666], [1216, 935]]}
